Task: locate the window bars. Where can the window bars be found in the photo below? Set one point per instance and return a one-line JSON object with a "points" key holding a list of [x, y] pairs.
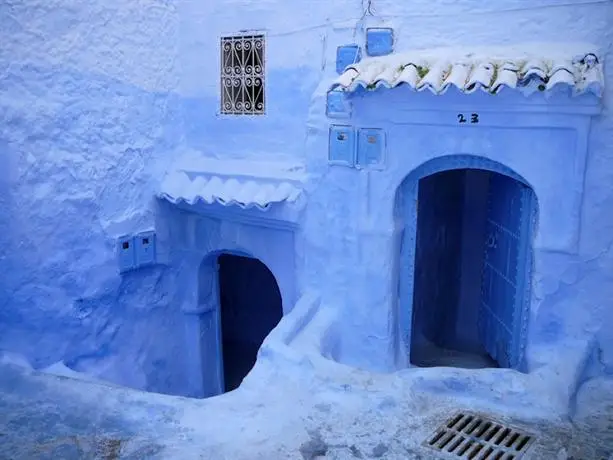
{"points": [[242, 75]]}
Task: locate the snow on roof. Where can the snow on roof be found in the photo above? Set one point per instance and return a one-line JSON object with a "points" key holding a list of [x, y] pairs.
{"points": [[242, 183], [530, 67]]}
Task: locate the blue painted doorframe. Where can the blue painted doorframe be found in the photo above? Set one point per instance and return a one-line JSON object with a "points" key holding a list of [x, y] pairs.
{"points": [[407, 195], [203, 358], [210, 340], [205, 366]]}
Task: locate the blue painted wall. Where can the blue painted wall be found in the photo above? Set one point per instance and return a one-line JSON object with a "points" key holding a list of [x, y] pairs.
{"points": [[420, 127], [186, 238], [90, 116], [97, 100]]}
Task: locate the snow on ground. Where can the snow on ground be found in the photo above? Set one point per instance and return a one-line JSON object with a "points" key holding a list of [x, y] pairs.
{"points": [[295, 404]]}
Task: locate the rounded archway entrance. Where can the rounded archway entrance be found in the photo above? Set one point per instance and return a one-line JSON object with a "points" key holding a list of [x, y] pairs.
{"points": [[465, 263], [240, 304]]}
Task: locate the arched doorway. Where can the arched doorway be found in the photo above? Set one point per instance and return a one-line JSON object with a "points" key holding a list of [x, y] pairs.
{"points": [[465, 263], [240, 304]]}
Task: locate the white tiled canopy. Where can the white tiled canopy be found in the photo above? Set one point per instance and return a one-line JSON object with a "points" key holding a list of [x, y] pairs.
{"points": [[530, 68], [245, 185], [178, 187]]}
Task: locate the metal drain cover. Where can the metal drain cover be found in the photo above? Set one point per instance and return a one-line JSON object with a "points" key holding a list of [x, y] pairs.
{"points": [[474, 437]]}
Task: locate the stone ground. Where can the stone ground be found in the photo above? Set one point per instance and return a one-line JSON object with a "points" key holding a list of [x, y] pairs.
{"points": [[49, 417]]}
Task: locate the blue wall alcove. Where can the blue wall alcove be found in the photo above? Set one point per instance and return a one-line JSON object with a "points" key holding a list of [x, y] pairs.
{"points": [[520, 137], [431, 290], [239, 304], [219, 256]]}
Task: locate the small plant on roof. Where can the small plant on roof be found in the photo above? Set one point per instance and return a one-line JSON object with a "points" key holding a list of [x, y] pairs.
{"points": [[421, 71]]}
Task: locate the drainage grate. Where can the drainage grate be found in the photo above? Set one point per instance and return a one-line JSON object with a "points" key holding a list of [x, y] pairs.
{"points": [[473, 437]]}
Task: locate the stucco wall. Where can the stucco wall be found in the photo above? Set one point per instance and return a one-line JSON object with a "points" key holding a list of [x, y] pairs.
{"points": [[189, 237], [96, 99], [301, 42], [416, 136], [89, 118], [571, 246]]}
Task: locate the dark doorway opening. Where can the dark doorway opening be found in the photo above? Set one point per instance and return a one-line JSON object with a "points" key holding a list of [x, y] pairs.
{"points": [[251, 307], [471, 269]]}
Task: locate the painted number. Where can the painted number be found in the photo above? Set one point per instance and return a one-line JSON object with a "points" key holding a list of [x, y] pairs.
{"points": [[474, 118]]}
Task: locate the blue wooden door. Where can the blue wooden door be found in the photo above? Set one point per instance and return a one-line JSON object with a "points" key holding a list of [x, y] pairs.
{"points": [[210, 331], [506, 270]]}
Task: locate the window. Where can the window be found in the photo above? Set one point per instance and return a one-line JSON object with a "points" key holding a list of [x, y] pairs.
{"points": [[242, 75]]}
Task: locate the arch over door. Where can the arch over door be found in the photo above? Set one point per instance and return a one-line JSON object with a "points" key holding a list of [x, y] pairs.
{"points": [[506, 270]]}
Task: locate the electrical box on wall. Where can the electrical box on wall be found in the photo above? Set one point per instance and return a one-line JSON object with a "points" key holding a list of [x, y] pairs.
{"points": [[371, 145], [347, 55], [379, 41], [125, 253], [135, 251], [338, 105], [145, 249], [341, 148]]}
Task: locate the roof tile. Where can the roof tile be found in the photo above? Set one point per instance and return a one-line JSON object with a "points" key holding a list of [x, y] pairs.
{"points": [[227, 191], [438, 70]]}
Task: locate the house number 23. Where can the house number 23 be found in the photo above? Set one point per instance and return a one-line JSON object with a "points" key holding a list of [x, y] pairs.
{"points": [[474, 118]]}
